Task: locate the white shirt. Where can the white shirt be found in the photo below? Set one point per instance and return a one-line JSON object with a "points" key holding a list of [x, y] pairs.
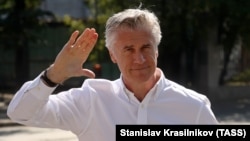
{"points": [[92, 111]]}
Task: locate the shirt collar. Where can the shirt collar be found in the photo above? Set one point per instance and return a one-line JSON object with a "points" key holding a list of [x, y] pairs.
{"points": [[161, 85], [154, 92]]}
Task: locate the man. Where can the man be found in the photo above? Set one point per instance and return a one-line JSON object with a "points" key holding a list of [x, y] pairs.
{"points": [[142, 94]]}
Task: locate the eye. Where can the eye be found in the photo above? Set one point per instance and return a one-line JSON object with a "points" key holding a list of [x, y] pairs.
{"points": [[128, 48], [147, 46]]}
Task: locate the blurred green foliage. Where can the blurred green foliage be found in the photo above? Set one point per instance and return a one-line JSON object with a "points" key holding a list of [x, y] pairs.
{"points": [[243, 78], [185, 26]]}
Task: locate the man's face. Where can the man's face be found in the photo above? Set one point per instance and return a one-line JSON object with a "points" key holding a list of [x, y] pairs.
{"points": [[135, 54]]}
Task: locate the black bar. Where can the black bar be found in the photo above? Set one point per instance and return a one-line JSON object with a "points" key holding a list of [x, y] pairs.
{"points": [[194, 132]]}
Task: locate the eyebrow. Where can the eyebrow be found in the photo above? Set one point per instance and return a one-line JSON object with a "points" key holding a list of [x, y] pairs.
{"points": [[131, 46], [146, 45]]}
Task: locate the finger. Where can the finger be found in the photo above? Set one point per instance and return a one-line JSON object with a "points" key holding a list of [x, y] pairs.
{"points": [[82, 38], [73, 38], [88, 43], [85, 38]]}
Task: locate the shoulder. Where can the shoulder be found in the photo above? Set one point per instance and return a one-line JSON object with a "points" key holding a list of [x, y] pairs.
{"points": [[187, 93], [93, 88], [101, 84], [176, 91], [101, 81]]}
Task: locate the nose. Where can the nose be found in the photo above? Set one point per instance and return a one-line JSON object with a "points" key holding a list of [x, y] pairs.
{"points": [[139, 58]]}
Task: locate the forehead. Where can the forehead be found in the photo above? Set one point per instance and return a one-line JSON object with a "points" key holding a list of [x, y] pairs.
{"points": [[130, 37]]}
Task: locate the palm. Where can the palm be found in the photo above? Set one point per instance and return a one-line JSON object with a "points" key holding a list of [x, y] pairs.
{"points": [[71, 58]]}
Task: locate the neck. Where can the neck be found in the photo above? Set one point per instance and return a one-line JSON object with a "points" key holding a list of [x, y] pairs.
{"points": [[140, 91]]}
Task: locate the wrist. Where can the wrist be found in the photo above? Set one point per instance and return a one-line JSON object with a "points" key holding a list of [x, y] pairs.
{"points": [[47, 81], [55, 74]]}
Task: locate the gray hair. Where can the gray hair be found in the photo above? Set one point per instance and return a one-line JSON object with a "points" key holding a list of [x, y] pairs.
{"points": [[132, 19]]}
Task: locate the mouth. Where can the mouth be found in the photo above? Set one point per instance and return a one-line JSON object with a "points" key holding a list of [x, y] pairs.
{"points": [[139, 68]]}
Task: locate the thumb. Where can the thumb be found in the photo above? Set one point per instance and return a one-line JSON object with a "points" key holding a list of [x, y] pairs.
{"points": [[88, 73]]}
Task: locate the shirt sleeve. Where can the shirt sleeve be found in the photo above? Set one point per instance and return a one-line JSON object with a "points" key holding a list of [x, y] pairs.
{"points": [[28, 99], [35, 105], [206, 115]]}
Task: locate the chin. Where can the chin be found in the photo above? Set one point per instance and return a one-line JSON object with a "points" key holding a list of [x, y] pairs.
{"points": [[141, 79]]}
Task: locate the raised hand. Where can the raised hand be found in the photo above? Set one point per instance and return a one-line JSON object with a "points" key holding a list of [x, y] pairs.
{"points": [[69, 62]]}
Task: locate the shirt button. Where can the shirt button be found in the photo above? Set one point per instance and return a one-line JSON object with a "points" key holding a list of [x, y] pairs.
{"points": [[142, 105]]}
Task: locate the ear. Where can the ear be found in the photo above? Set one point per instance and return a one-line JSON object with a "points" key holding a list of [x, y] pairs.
{"points": [[112, 56], [157, 54]]}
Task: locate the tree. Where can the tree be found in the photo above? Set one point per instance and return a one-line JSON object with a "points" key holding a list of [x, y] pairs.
{"points": [[186, 23], [234, 20], [19, 21]]}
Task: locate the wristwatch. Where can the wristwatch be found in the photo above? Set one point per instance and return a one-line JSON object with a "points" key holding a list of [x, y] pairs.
{"points": [[47, 81]]}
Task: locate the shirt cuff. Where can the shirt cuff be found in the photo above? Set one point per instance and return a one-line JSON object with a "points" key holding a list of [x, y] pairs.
{"points": [[39, 89]]}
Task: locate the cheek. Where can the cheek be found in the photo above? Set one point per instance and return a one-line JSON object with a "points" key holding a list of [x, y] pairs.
{"points": [[124, 63], [112, 56], [152, 55]]}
